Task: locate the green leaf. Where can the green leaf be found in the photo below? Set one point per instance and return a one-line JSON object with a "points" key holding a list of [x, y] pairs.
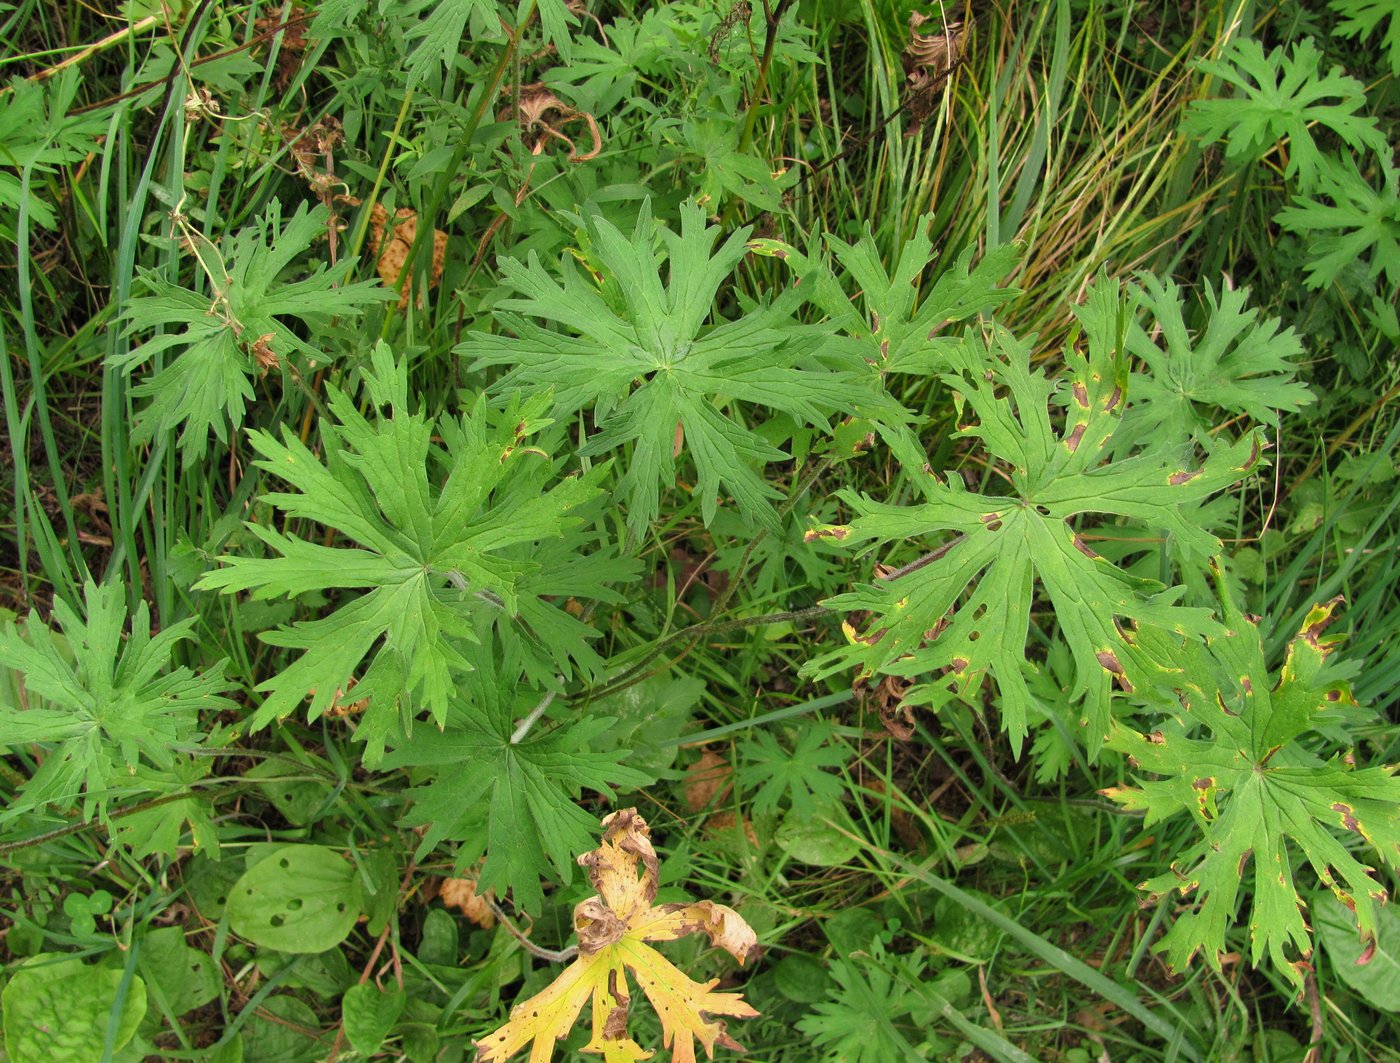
{"points": [[369, 1013], [104, 704], [1360, 18], [649, 718], [449, 538], [439, 944], [1348, 220], [209, 384], [419, 1041], [895, 337], [1253, 788], [300, 898], [964, 609], [723, 171], [815, 842], [894, 325], [284, 1029], [1234, 362], [960, 933], [160, 829], [39, 136], [801, 978], [1283, 97], [1370, 966], [603, 76], [442, 32], [772, 773], [180, 978], [511, 797], [58, 1008], [379, 877], [636, 347], [857, 1022]]}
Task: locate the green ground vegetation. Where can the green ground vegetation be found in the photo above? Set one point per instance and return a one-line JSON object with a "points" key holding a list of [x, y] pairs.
{"points": [[938, 464]]}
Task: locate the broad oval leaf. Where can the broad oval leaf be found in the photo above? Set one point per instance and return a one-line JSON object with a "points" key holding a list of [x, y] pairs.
{"points": [[300, 898]]}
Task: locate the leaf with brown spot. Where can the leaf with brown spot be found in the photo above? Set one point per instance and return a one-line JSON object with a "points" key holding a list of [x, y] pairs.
{"points": [[1261, 798], [826, 531], [614, 930], [987, 558]]}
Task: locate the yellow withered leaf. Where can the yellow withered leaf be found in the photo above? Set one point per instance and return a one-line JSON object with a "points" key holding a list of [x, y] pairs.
{"points": [[613, 930]]}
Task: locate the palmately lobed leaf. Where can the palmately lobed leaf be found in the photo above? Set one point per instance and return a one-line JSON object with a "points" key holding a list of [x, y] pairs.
{"points": [[894, 324], [510, 799], [1283, 96], [1361, 18], [634, 341], [444, 534], [1348, 219], [104, 702], [1235, 362], [963, 610], [1260, 798], [207, 386]]}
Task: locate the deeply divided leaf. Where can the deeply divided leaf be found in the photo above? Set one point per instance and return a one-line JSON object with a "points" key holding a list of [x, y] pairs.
{"points": [[425, 541], [1234, 759], [964, 609]]}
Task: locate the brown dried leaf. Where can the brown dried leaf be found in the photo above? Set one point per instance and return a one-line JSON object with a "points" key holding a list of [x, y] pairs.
{"points": [[263, 353], [394, 251], [927, 59], [541, 115], [734, 831], [460, 893], [707, 782], [293, 31], [339, 706]]}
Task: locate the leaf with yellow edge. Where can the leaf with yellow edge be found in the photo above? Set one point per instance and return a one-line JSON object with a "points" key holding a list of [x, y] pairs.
{"points": [[1264, 801], [613, 930]]}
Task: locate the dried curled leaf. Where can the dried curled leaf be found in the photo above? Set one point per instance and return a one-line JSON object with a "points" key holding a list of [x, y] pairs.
{"points": [[393, 252], [542, 116], [613, 930], [460, 893], [928, 59]]}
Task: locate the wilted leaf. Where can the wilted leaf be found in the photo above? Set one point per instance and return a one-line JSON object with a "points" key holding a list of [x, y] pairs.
{"points": [[613, 930], [460, 893], [393, 252]]}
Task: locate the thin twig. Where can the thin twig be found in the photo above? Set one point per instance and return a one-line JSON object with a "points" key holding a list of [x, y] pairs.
{"points": [[928, 559], [115, 37], [549, 955]]}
